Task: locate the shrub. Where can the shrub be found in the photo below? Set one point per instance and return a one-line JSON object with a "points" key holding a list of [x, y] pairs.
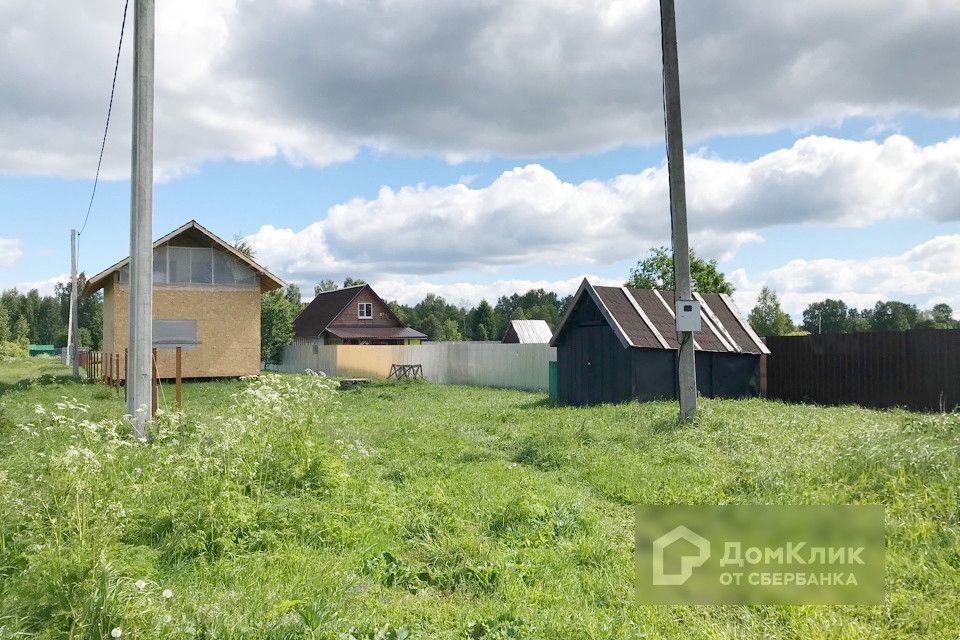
{"points": [[12, 350]]}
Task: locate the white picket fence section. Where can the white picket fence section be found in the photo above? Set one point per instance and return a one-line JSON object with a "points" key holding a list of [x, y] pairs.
{"points": [[515, 366]]}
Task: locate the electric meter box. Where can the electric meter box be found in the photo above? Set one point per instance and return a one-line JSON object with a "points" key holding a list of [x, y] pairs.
{"points": [[688, 315]]}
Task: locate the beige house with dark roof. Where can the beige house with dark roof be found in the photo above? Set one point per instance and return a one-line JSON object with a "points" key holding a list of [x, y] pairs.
{"points": [[206, 299]]}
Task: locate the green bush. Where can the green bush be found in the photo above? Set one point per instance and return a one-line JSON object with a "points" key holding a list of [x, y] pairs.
{"points": [[12, 350]]}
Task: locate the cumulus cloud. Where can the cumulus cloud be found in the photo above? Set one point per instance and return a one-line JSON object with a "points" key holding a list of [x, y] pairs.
{"points": [[529, 215], [10, 252], [313, 81], [43, 287], [925, 274], [468, 294]]}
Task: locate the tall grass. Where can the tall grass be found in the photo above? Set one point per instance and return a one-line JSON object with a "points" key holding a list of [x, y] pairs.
{"points": [[281, 508]]}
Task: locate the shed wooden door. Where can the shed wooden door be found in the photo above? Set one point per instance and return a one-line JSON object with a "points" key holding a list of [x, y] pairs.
{"points": [[604, 366]]}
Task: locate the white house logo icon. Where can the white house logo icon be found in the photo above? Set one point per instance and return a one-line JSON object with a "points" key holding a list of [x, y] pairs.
{"points": [[687, 562]]}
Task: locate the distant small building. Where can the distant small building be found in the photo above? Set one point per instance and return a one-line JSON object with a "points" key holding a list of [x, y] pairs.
{"points": [[206, 299], [527, 332], [618, 343], [352, 315]]}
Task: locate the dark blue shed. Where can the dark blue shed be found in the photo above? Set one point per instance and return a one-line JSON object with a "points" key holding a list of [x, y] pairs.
{"points": [[618, 343]]}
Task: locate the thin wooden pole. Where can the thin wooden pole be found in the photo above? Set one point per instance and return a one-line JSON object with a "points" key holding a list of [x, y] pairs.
{"points": [[179, 378], [72, 329], [116, 372], [153, 386], [125, 377]]}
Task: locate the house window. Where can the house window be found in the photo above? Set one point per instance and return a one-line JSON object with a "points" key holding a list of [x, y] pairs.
{"points": [[365, 310]]}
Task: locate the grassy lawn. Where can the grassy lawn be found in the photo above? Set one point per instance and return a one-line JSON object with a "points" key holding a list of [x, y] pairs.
{"points": [[14, 371], [413, 510]]}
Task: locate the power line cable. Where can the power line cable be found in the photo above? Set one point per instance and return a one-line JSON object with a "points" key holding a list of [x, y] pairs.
{"points": [[106, 128]]}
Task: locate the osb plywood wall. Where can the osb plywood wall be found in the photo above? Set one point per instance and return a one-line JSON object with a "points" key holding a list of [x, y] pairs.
{"points": [[228, 328]]}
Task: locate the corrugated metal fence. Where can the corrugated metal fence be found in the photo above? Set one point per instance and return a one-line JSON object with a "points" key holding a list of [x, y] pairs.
{"points": [[517, 366], [919, 370]]}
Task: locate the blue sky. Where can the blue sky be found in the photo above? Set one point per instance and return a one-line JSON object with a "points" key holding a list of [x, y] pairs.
{"points": [[477, 150]]}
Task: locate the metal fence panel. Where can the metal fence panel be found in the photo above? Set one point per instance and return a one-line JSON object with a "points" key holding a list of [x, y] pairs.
{"points": [[518, 366], [916, 369]]}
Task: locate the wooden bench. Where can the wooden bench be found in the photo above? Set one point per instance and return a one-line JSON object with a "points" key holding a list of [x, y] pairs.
{"points": [[409, 371]]}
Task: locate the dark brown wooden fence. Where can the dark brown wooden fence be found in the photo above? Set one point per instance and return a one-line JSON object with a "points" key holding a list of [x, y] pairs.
{"points": [[919, 370]]}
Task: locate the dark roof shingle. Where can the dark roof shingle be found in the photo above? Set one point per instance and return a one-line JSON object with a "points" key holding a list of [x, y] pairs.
{"points": [[657, 306], [322, 310]]}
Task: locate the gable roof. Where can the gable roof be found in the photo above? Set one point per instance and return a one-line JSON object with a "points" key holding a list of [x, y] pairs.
{"points": [[317, 316], [268, 281], [529, 331], [644, 318], [314, 318]]}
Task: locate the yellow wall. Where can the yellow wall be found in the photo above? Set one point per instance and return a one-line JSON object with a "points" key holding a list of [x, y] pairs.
{"points": [[228, 328]]}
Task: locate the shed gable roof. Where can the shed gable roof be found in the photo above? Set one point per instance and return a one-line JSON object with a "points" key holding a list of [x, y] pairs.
{"points": [[268, 281], [645, 318]]}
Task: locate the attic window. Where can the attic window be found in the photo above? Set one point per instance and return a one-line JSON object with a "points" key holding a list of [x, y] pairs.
{"points": [[196, 265], [365, 310]]}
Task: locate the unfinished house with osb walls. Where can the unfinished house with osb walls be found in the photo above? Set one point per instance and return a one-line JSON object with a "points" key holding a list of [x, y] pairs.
{"points": [[206, 300]]}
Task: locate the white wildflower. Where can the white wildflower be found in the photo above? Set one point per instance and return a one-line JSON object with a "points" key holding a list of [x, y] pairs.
{"points": [[167, 594], [140, 584], [116, 632]]}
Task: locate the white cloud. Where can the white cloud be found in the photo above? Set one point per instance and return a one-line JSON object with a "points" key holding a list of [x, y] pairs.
{"points": [[529, 215], [10, 252], [468, 294], [314, 81], [925, 274], [44, 287]]}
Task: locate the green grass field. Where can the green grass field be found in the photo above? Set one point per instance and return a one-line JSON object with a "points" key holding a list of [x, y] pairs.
{"points": [[285, 509]]}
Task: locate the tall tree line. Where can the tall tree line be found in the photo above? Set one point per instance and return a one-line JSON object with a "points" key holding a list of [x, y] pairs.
{"points": [[29, 318], [835, 316]]}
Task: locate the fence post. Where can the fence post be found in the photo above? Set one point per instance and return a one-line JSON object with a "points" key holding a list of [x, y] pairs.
{"points": [[116, 372], [124, 374], [153, 386], [179, 380]]}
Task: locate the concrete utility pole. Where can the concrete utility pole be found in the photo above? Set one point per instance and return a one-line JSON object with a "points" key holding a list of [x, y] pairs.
{"points": [[72, 332], [140, 334], [686, 369]]}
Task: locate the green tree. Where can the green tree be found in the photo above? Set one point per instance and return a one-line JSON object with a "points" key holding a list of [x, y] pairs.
{"points": [[276, 325], [451, 330], [939, 317], [21, 332], [894, 316], [482, 321], [430, 316], [942, 315], [294, 298], [827, 316], [352, 282], [857, 320], [4, 323], [535, 304], [656, 272], [768, 318], [324, 285]]}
